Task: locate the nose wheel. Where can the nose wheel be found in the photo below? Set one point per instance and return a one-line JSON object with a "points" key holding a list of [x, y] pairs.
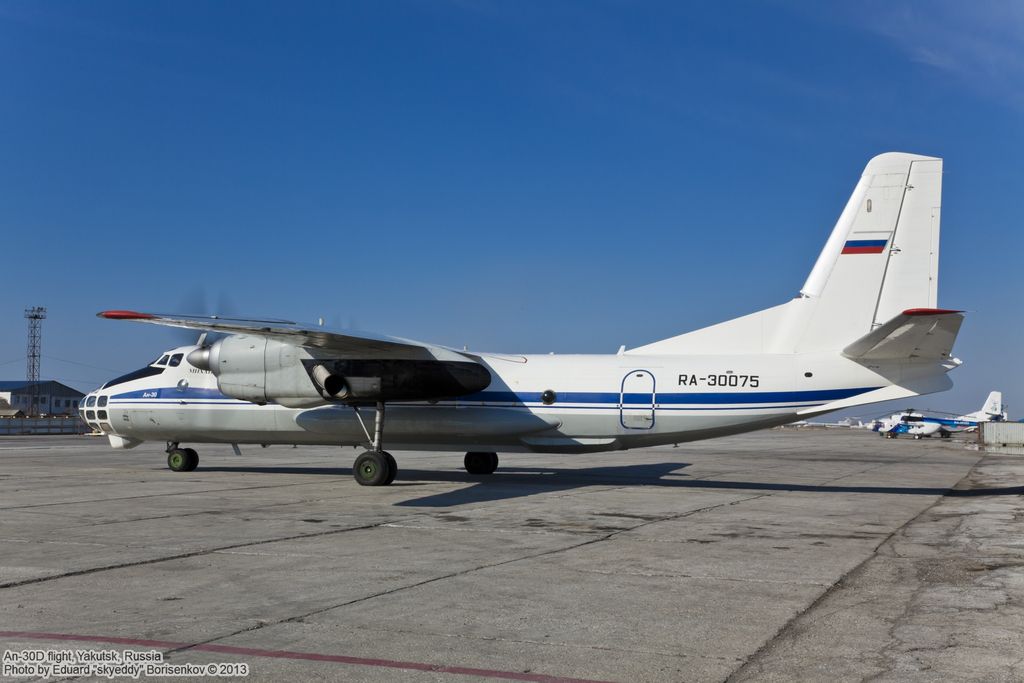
{"points": [[182, 459], [375, 467]]}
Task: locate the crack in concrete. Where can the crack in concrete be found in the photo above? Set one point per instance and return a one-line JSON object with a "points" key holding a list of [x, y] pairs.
{"points": [[753, 660], [960, 580], [531, 556], [677, 575], [160, 495], [558, 644], [180, 556]]}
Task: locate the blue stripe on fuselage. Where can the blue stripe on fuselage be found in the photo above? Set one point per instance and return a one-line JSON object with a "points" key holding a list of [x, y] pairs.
{"points": [[665, 398], [173, 392], [567, 397]]}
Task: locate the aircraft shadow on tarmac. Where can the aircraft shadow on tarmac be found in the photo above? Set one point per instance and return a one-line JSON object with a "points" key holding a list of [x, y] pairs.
{"points": [[517, 482]]}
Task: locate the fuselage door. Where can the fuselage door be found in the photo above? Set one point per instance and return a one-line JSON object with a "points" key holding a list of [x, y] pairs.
{"points": [[636, 400]]}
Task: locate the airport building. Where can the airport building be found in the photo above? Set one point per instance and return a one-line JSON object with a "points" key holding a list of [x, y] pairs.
{"points": [[54, 398]]}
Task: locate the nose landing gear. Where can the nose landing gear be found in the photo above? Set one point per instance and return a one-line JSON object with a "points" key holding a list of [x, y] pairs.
{"points": [[375, 467]]}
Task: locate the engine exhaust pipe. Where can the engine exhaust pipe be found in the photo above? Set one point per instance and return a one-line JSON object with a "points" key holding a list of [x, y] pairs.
{"points": [[334, 386]]}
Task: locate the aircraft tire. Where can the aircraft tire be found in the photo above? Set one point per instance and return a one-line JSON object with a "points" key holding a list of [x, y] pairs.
{"points": [[177, 460], [372, 469], [191, 459], [392, 468], [481, 463]]}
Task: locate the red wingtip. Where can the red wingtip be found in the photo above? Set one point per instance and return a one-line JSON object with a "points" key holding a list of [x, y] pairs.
{"points": [[125, 315], [929, 311]]}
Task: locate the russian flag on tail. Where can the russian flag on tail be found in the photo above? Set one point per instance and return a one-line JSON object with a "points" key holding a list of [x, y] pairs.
{"points": [[864, 246]]}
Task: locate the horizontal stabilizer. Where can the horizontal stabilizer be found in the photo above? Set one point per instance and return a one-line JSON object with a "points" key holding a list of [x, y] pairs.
{"points": [[915, 334]]}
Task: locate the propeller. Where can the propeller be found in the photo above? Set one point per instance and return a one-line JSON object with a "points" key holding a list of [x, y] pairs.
{"points": [[197, 301]]}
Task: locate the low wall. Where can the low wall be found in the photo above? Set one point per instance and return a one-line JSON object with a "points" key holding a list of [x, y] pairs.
{"points": [[42, 425]]}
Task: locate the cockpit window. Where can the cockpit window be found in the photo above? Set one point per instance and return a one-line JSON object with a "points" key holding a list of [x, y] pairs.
{"points": [[148, 371], [102, 403], [175, 360], [162, 361], [90, 402]]}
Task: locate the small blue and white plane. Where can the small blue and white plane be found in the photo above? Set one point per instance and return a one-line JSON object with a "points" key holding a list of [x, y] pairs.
{"points": [[864, 328], [920, 426]]}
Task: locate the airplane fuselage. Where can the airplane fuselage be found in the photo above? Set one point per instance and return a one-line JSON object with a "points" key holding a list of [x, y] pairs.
{"points": [[544, 403]]}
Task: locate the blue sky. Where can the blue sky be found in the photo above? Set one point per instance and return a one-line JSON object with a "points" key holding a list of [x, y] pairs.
{"points": [[513, 176]]}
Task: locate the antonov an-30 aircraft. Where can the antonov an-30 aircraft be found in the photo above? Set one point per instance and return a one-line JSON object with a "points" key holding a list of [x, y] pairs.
{"points": [[864, 328]]}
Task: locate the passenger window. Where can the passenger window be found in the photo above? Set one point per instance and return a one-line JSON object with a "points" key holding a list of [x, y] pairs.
{"points": [[90, 402], [102, 403], [90, 415], [175, 360], [101, 414]]}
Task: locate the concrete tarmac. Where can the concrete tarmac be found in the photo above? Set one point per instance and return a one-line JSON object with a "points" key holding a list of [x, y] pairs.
{"points": [[779, 555]]}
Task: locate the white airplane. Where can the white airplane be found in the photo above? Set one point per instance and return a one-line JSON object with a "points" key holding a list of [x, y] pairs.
{"points": [[864, 328], [845, 423], [920, 426]]}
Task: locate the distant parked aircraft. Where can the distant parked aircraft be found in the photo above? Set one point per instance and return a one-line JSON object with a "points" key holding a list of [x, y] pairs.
{"points": [[919, 425]]}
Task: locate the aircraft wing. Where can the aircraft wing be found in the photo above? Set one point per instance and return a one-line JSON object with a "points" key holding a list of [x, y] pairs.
{"points": [[915, 334], [345, 343]]}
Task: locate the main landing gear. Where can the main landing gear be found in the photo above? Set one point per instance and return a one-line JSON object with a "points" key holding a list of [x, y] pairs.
{"points": [[375, 467], [181, 459], [481, 463]]}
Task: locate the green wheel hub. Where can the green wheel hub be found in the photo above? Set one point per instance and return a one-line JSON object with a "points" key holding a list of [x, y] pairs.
{"points": [[374, 468]]}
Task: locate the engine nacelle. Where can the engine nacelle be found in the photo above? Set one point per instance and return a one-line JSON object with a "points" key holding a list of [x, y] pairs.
{"points": [[260, 370]]}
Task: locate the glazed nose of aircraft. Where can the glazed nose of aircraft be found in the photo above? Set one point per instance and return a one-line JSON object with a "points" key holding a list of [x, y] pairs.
{"points": [[93, 410]]}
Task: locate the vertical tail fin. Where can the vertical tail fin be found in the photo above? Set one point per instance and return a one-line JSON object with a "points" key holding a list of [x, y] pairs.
{"points": [[883, 255], [993, 404], [881, 259], [992, 410]]}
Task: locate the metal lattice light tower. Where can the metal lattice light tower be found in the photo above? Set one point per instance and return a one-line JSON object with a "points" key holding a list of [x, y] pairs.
{"points": [[35, 316]]}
